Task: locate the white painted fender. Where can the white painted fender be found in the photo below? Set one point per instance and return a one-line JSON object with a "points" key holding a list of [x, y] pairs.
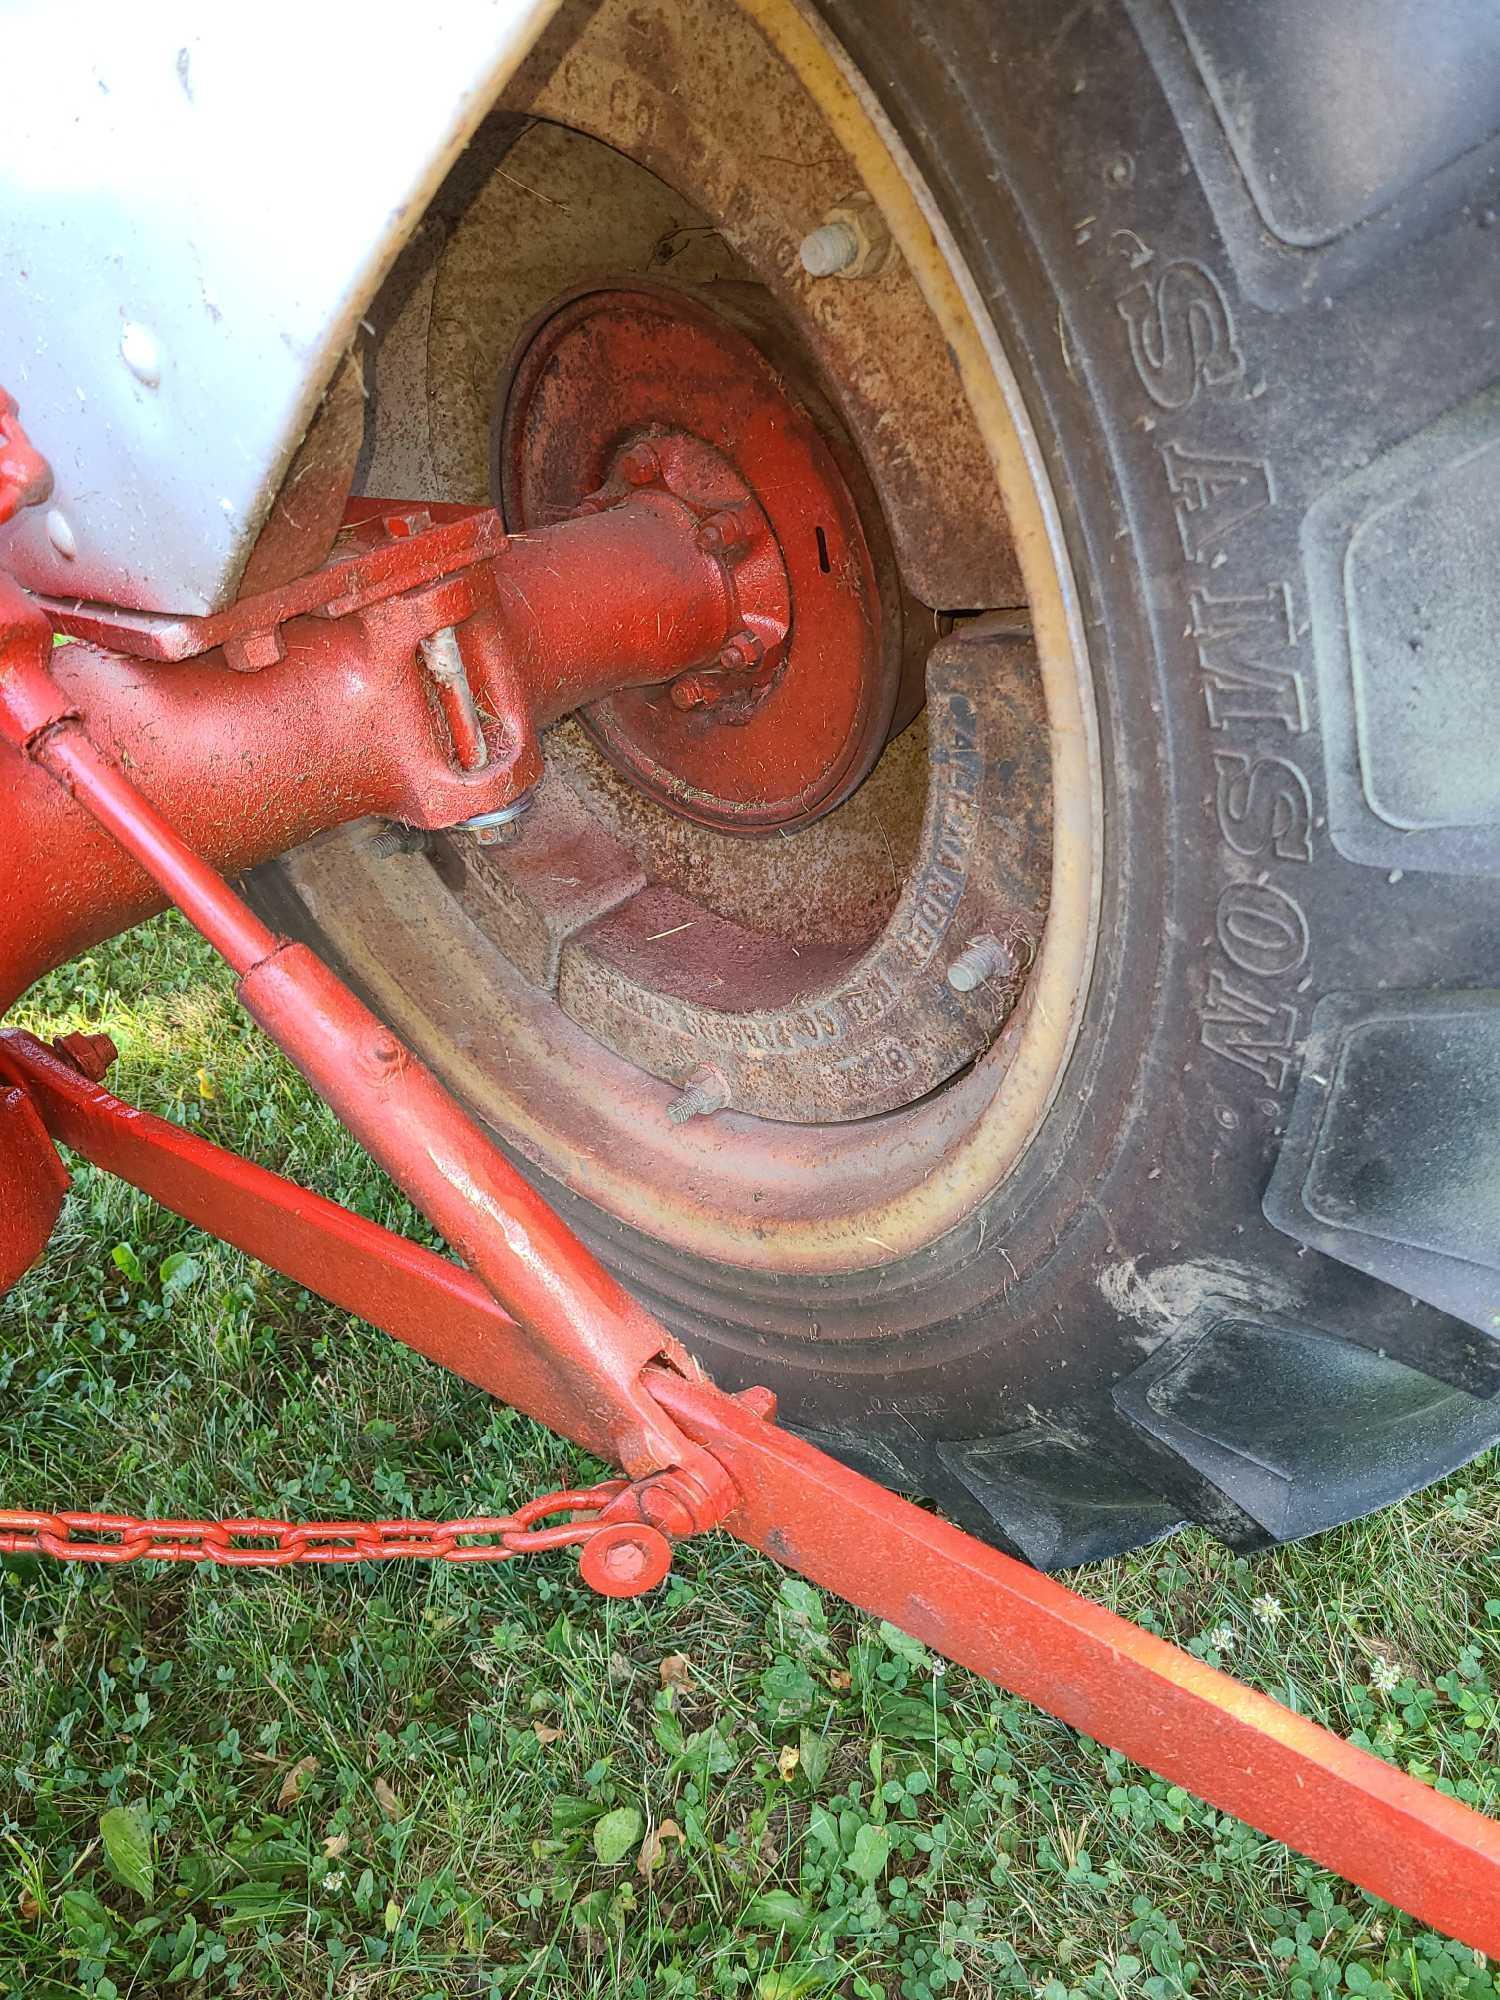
{"points": [[197, 204]]}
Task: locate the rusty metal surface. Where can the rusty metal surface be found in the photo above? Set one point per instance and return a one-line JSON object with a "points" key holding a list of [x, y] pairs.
{"points": [[308, 510], [690, 90], [553, 210], [733, 1188], [559, 874], [888, 1028], [730, 1189], [808, 1032]]}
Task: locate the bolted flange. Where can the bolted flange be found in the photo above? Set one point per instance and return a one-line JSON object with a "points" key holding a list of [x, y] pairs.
{"points": [[783, 722]]}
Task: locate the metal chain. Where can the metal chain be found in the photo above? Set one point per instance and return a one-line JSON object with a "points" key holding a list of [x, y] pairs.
{"points": [[254, 1544]]}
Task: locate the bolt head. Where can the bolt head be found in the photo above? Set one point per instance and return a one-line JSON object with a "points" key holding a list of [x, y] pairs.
{"points": [[743, 651], [689, 691], [625, 1561], [639, 465], [60, 534], [141, 353], [93, 1054], [624, 1558], [722, 534]]}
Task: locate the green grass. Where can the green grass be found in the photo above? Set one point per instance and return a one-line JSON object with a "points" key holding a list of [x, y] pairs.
{"points": [[491, 1746]]}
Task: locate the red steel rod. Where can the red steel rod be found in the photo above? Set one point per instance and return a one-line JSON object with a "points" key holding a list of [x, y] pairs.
{"points": [[1424, 1852], [424, 1300], [204, 898], [590, 1336]]}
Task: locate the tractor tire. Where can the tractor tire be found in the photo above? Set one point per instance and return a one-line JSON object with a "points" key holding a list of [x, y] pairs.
{"points": [[1242, 261]]}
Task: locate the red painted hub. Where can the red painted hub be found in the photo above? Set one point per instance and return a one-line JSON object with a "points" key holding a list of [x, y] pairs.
{"points": [[610, 367]]}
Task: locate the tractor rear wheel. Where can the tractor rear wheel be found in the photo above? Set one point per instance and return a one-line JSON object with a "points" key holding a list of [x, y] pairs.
{"points": [[1083, 1107]]}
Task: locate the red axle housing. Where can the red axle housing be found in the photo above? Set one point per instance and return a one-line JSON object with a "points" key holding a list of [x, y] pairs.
{"points": [[385, 664]]}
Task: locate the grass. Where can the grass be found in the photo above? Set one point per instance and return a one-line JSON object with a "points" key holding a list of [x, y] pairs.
{"points": [[428, 1781]]}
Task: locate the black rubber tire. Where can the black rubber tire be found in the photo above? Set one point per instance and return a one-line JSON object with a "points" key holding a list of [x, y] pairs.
{"points": [[1250, 1273]]}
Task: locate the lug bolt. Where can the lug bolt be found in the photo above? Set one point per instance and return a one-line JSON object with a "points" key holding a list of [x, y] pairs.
{"points": [[830, 248], [852, 241], [705, 1091], [639, 465], [743, 651], [983, 959]]}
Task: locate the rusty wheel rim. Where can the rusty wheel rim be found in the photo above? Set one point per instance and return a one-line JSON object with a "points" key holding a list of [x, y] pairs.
{"points": [[734, 1188]]}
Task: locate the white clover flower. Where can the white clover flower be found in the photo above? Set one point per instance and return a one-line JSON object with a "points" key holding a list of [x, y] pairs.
{"points": [[1267, 1609], [1385, 1676], [333, 1881], [1223, 1638]]}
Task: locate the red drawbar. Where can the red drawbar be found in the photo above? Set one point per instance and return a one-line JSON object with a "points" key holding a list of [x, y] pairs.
{"points": [[1026, 1632]]}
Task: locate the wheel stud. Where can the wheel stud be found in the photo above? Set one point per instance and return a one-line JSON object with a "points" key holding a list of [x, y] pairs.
{"points": [[706, 1091], [983, 959]]}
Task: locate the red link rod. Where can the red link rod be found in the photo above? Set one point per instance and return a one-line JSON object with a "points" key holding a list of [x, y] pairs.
{"points": [[421, 1299], [592, 1337], [1246, 1754], [204, 898]]}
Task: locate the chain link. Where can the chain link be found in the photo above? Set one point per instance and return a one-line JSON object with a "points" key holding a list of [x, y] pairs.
{"points": [[254, 1544]]}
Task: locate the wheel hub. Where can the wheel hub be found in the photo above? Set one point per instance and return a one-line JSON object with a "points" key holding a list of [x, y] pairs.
{"points": [[778, 735]]}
